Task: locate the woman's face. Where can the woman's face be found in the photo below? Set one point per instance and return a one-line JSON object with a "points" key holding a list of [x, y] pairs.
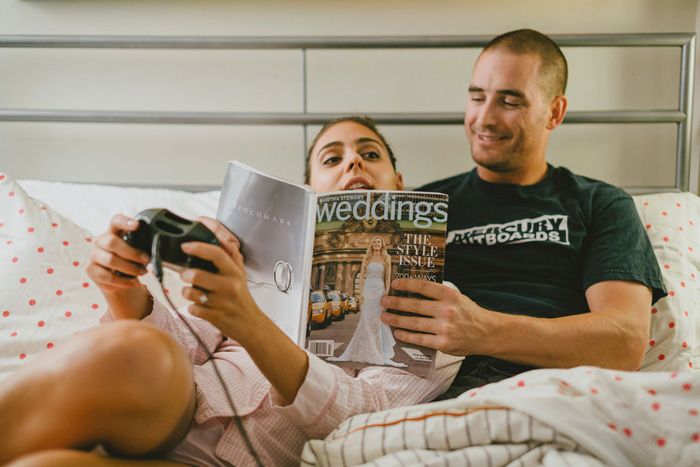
{"points": [[377, 244], [350, 156]]}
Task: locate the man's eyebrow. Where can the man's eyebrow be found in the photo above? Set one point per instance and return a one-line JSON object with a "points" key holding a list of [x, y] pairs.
{"points": [[507, 92], [512, 92]]}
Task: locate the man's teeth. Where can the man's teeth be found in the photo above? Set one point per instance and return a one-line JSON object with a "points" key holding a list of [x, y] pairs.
{"points": [[357, 186]]}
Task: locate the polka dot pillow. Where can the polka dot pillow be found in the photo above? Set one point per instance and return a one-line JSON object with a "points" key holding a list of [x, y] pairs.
{"points": [[45, 294], [672, 221]]}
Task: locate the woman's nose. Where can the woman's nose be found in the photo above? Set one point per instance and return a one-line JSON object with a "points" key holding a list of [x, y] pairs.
{"points": [[354, 162]]}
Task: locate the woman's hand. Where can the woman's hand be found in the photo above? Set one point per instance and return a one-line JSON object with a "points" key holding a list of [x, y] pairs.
{"points": [[115, 266], [221, 298], [230, 307]]}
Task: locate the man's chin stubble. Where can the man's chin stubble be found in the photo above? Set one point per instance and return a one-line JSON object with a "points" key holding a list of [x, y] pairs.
{"points": [[504, 166]]}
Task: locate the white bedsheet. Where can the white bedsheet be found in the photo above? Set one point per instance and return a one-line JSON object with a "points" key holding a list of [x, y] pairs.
{"points": [[583, 416]]}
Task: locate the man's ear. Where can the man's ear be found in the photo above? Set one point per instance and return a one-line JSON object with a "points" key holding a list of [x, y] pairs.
{"points": [[399, 181], [557, 111]]}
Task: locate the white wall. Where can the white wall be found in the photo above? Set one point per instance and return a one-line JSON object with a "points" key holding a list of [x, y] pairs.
{"points": [[339, 81]]}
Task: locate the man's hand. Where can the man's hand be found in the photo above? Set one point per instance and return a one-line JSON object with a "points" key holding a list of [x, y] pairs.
{"points": [[618, 324], [453, 323]]}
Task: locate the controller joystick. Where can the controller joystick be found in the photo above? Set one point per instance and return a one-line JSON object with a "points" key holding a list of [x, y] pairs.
{"points": [[172, 231]]}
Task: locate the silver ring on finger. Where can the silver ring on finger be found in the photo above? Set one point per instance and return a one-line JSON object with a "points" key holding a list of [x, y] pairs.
{"points": [[203, 298]]}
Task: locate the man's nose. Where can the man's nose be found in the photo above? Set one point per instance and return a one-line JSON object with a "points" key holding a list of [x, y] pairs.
{"points": [[485, 115]]}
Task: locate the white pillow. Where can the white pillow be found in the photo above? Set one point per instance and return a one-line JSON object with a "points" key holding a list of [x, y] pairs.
{"points": [[672, 221], [45, 294], [92, 206]]}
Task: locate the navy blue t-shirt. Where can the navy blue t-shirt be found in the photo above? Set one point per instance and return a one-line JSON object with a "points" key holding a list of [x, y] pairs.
{"points": [[534, 250]]}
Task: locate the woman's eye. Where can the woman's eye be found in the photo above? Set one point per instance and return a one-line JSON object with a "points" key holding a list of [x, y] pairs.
{"points": [[330, 160], [371, 155]]}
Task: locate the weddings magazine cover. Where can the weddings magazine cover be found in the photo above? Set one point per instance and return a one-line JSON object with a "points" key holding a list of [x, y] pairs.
{"points": [[317, 265], [364, 240]]}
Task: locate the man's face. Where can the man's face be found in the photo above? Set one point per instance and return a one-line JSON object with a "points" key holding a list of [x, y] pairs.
{"points": [[507, 112]]}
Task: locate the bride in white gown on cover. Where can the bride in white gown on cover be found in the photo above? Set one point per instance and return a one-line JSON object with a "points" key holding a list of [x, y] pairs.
{"points": [[372, 341]]}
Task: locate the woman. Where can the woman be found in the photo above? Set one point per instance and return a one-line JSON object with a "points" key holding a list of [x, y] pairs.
{"points": [[372, 341], [143, 387]]}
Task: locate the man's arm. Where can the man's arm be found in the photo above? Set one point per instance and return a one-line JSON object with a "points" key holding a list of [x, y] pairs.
{"points": [[612, 335]]}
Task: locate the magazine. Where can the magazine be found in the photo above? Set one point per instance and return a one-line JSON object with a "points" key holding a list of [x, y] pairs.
{"points": [[318, 264]]}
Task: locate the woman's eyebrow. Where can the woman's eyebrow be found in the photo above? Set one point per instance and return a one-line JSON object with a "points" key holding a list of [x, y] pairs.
{"points": [[328, 145], [367, 140], [358, 141]]}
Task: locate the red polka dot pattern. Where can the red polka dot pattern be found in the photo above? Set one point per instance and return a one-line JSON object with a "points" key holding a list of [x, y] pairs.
{"points": [[46, 294], [670, 220]]}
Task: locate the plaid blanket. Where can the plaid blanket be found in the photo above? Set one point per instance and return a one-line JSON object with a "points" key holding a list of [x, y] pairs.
{"points": [[579, 417]]}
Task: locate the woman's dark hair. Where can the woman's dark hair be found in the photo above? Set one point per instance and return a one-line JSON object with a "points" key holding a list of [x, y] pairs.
{"points": [[363, 120]]}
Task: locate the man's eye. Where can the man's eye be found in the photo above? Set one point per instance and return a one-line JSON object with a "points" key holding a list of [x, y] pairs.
{"points": [[371, 155], [477, 99], [511, 103]]}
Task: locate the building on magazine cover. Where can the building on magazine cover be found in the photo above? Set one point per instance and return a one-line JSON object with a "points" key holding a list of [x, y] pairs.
{"points": [[338, 252]]}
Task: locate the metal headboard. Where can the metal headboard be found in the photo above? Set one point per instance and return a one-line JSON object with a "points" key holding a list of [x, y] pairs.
{"points": [[682, 115]]}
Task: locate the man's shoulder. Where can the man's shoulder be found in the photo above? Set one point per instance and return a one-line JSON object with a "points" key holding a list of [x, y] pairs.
{"points": [[587, 186], [445, 185]]}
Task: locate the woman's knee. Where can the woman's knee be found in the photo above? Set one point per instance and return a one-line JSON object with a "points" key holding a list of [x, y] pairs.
{"points": [[72, 458], [128, 358], [56, 458], [144, 356]]}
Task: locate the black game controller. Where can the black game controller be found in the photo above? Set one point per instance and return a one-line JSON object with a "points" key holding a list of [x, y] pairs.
{"points": [[171, 232]]}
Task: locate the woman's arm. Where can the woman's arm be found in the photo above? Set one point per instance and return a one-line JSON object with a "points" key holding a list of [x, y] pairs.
{"points": [[329, 394], [230, 307]]}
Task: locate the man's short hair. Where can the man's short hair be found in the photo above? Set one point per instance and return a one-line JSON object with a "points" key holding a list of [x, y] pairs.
{"points": [[554, 69]]}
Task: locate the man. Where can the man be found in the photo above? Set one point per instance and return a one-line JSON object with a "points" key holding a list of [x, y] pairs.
{"points": [[555, 269]]}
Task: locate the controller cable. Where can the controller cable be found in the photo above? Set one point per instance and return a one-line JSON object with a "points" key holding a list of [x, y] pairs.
{"points": [[157, 266]]}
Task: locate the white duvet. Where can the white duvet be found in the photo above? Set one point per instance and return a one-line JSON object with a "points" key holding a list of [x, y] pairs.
{"points": [[578, 417]]}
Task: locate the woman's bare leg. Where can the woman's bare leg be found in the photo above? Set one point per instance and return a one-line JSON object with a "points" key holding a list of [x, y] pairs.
{"points": [[126, 385], [68, 458]]}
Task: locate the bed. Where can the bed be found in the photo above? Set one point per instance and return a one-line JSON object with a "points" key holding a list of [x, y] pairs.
{"points": [[583, 416]]}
